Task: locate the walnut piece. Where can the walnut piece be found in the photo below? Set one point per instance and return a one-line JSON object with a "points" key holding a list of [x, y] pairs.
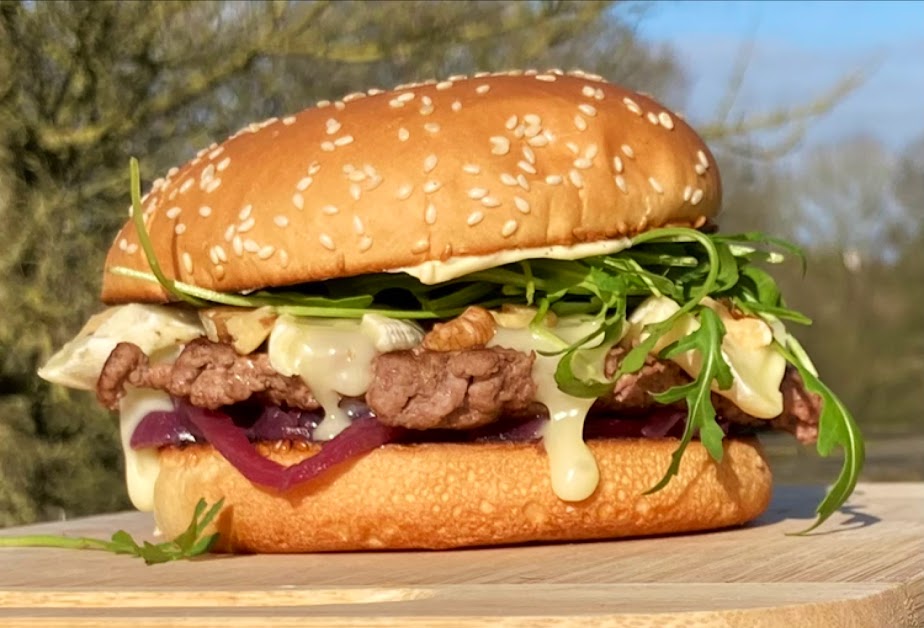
{"points": [[473, 327], [244, 329]]}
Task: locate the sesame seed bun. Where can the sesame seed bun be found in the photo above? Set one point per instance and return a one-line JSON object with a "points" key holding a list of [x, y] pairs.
{"points": [[456, 495], [424, 172]]}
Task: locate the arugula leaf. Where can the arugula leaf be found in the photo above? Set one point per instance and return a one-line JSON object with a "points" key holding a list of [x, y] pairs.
{"points": [[836, 426], [706, 341], [190, 543]]}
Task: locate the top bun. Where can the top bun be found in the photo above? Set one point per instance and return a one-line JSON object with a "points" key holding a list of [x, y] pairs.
{"points": [[425, 172]]}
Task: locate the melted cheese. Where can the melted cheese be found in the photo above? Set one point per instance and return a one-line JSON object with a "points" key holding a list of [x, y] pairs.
{"points": [[572, 467], [756, 366], [433, 272], [141, 466]]}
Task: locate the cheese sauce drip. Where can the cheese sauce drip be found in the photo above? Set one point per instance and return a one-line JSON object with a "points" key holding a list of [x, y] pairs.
{"points": [[572, 467], [142, 466]]}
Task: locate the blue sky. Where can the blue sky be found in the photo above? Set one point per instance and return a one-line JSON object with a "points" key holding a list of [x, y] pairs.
{"points": [[801, 49]]}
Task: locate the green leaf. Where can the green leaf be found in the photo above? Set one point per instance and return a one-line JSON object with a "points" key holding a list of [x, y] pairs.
{"points": [[188, 544], [707, 342], [836, 427]]}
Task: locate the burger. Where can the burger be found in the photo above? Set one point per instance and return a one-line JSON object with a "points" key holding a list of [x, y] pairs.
{"points": [[484, 310]]}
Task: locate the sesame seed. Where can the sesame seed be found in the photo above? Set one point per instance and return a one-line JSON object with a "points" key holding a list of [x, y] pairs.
{"points": [[700, 170], [474, 218], [591, 151], [180, 229], [173, 212], [205, 211], [326, 242], [238, 246], [421, 245], [365, 243], [405, 191], [574, 148], [215, 153], [617, 163], [548, 78], [490, 201], [430, 214], [431, 186], [477, 193], [298, 200], [403, 134], [443, 85], [229, 232], [509, 228], [483, 89], [666, 121], [220, 253], [582, 163], [281, 221], [353, 96], [526, 167], [588, 91], [283, 258], [580, 122], [519, 131], [288, 120], [303, 184], [244, 214], [314, 168], [687, 191], [553, 179], [374, 182], [330, 210], [123, 244], [521, 204], [188, 183], [223, 164], [472, 169], [532, 130], [701, 156], [246, 226], [131, 249], [430, 163], [343, 140], [627, 151], [358, 225], [457, 77], [576, 179], [251, 246], [207, 174], [405, 97], [588, 110], [655, 185], [621, 183], [213, 185], [187, 262], [456, 106], [213, 256], [529, 154], [332, 126], [508, 179], [511, 123], [327, 147], [538, 141], [173, 194], [652, 117], [357, 176], [499, 145], [632, 106], [355, 191], [339, 105], [697, 197], [598, 94], [523, 182], [432, 127], [172, 172], [532, 119]]}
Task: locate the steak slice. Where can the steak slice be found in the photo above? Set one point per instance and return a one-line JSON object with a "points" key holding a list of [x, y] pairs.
{"points": [[208, 374], [465, 389]]}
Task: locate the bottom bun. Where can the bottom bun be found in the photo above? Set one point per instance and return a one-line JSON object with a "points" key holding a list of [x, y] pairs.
{"points": [[439, 496]]}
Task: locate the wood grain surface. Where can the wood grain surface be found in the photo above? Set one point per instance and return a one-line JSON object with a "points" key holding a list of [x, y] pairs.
{"points": [[864, 568]]}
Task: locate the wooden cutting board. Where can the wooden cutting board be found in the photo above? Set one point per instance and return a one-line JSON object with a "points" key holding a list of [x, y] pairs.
{"points": [[865, 568]]}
